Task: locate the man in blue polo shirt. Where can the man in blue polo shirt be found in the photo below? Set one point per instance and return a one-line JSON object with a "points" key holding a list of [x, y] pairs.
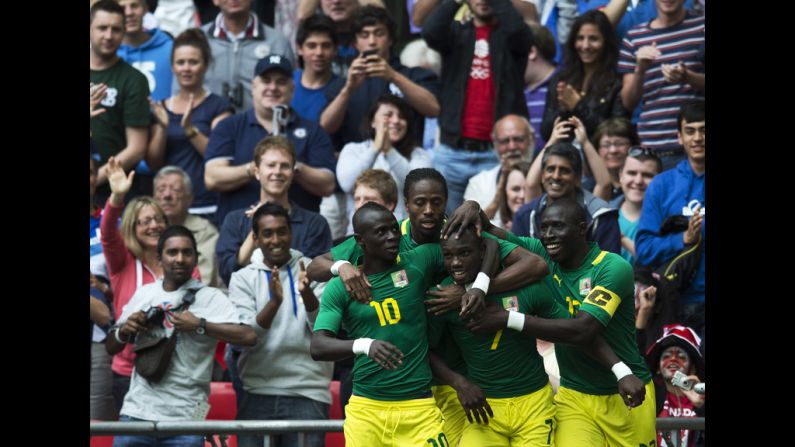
{"points": [[229, 169]]}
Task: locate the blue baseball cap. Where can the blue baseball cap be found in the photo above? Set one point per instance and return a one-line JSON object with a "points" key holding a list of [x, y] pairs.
{"points": [[273, 61]]}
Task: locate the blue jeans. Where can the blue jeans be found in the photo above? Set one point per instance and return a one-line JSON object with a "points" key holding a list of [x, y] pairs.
{"points": [[259, 407], [151, 441], [458, 166]]}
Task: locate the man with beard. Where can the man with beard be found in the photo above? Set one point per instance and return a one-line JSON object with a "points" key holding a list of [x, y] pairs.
{"points": [[512, 137]]}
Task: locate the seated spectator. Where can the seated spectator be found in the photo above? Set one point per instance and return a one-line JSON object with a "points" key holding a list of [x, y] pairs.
{"points": [[275, 297], [513, 140], [587, 86], [130, 254], [174, 192], [511, 194], [613, 138], [230, 151], [391, 147], [561, 171], [639, 168], [274, 158], [184, 122], [181, 393], [375, 185], [677, 350]]}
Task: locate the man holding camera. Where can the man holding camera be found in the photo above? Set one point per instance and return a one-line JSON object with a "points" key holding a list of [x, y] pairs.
{"points": [[181, 393], [375, 72], [483, 64]]}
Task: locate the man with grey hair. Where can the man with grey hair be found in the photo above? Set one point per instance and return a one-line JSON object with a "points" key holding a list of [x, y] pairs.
{"points": [[513, 138], [173, 190]]}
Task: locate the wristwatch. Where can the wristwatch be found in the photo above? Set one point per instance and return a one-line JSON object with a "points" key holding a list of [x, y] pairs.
{"points": [[202, 326]]}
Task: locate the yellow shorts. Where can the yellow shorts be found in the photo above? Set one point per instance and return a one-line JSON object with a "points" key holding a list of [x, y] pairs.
{"points": [[416, 422], [527, 420], [587, 419], [454, 416]]}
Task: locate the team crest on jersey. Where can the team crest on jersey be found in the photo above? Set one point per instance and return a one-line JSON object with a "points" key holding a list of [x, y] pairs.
{"points": [[510, 303], [585, 286], [400, 279]]}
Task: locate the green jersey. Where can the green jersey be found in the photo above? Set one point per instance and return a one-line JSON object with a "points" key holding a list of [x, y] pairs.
{"points": [[350, 251], [395, 314], [504, 364], [603, 286]]}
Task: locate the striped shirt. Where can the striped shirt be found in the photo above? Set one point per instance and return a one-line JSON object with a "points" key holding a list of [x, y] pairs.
{"points": [[661, 100], [536, 99]]}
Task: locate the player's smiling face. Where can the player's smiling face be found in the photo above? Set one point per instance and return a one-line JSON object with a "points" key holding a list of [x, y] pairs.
{"points": [[463, 257], [559, 233], [425, 205]]}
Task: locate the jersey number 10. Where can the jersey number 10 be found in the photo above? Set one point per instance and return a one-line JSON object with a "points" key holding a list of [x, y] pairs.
{"points": [[384, 313]]}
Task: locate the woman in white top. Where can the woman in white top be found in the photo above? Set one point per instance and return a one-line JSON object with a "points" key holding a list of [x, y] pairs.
{"points": [[390, 147]]}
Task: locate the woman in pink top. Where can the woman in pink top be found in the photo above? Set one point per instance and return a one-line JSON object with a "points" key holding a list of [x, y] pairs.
{"points": [[130, 255]]}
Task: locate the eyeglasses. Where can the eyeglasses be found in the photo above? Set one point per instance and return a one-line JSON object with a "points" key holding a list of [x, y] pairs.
{"points": [[637, 151], [146, 222], [618, 143]]}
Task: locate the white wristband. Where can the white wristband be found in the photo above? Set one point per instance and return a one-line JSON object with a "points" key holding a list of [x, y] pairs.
{"points": [[362, 345], [621, 370], [482, 282], [515, 320], [335, 268], [116, 334]]}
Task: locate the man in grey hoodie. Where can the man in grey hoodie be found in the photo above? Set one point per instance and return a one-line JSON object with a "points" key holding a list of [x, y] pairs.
{"points": [[274, 295]]}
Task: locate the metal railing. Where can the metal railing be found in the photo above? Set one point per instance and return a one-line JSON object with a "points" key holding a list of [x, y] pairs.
{"points": [[302, 427]]}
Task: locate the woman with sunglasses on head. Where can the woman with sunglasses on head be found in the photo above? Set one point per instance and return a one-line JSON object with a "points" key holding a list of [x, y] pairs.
{"points": [[130, 255], [612, 139], [587, 85], [640, 166]]}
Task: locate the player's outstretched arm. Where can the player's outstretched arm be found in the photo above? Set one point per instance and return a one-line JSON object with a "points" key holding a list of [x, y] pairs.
{"points": [[521, 269], [470, 395], [319, 269]]}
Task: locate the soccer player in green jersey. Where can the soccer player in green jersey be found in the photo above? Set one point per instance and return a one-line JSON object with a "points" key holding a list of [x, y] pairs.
{"points": [[392, 403], [425, 192], [503, 364], [597, 289]]}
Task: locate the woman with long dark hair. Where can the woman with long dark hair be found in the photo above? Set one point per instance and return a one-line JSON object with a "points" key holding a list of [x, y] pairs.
{"points": [[587, 85]]}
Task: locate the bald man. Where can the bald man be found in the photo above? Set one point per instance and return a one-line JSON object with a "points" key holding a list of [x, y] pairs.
{"points": [[513, 139]]}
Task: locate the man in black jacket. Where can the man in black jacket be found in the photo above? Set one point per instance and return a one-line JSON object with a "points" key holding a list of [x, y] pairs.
{"points": [[494, 46]]}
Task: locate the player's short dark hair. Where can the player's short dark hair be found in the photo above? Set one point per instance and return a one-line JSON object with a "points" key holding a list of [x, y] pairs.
{"points": [[572, 209], [175, 231], [360, 216], [415, 175], [269, 209], [567, 151]]}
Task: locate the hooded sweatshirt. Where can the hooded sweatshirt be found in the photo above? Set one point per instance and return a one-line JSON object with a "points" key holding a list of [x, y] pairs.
{"points": [[153, 59]]}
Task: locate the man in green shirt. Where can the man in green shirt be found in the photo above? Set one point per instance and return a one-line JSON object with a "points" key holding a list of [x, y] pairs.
{"points": [[392, 403], [597, 289]]}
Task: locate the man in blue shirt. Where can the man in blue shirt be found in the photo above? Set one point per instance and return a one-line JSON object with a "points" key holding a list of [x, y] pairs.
{"points": [[229, 168]]}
